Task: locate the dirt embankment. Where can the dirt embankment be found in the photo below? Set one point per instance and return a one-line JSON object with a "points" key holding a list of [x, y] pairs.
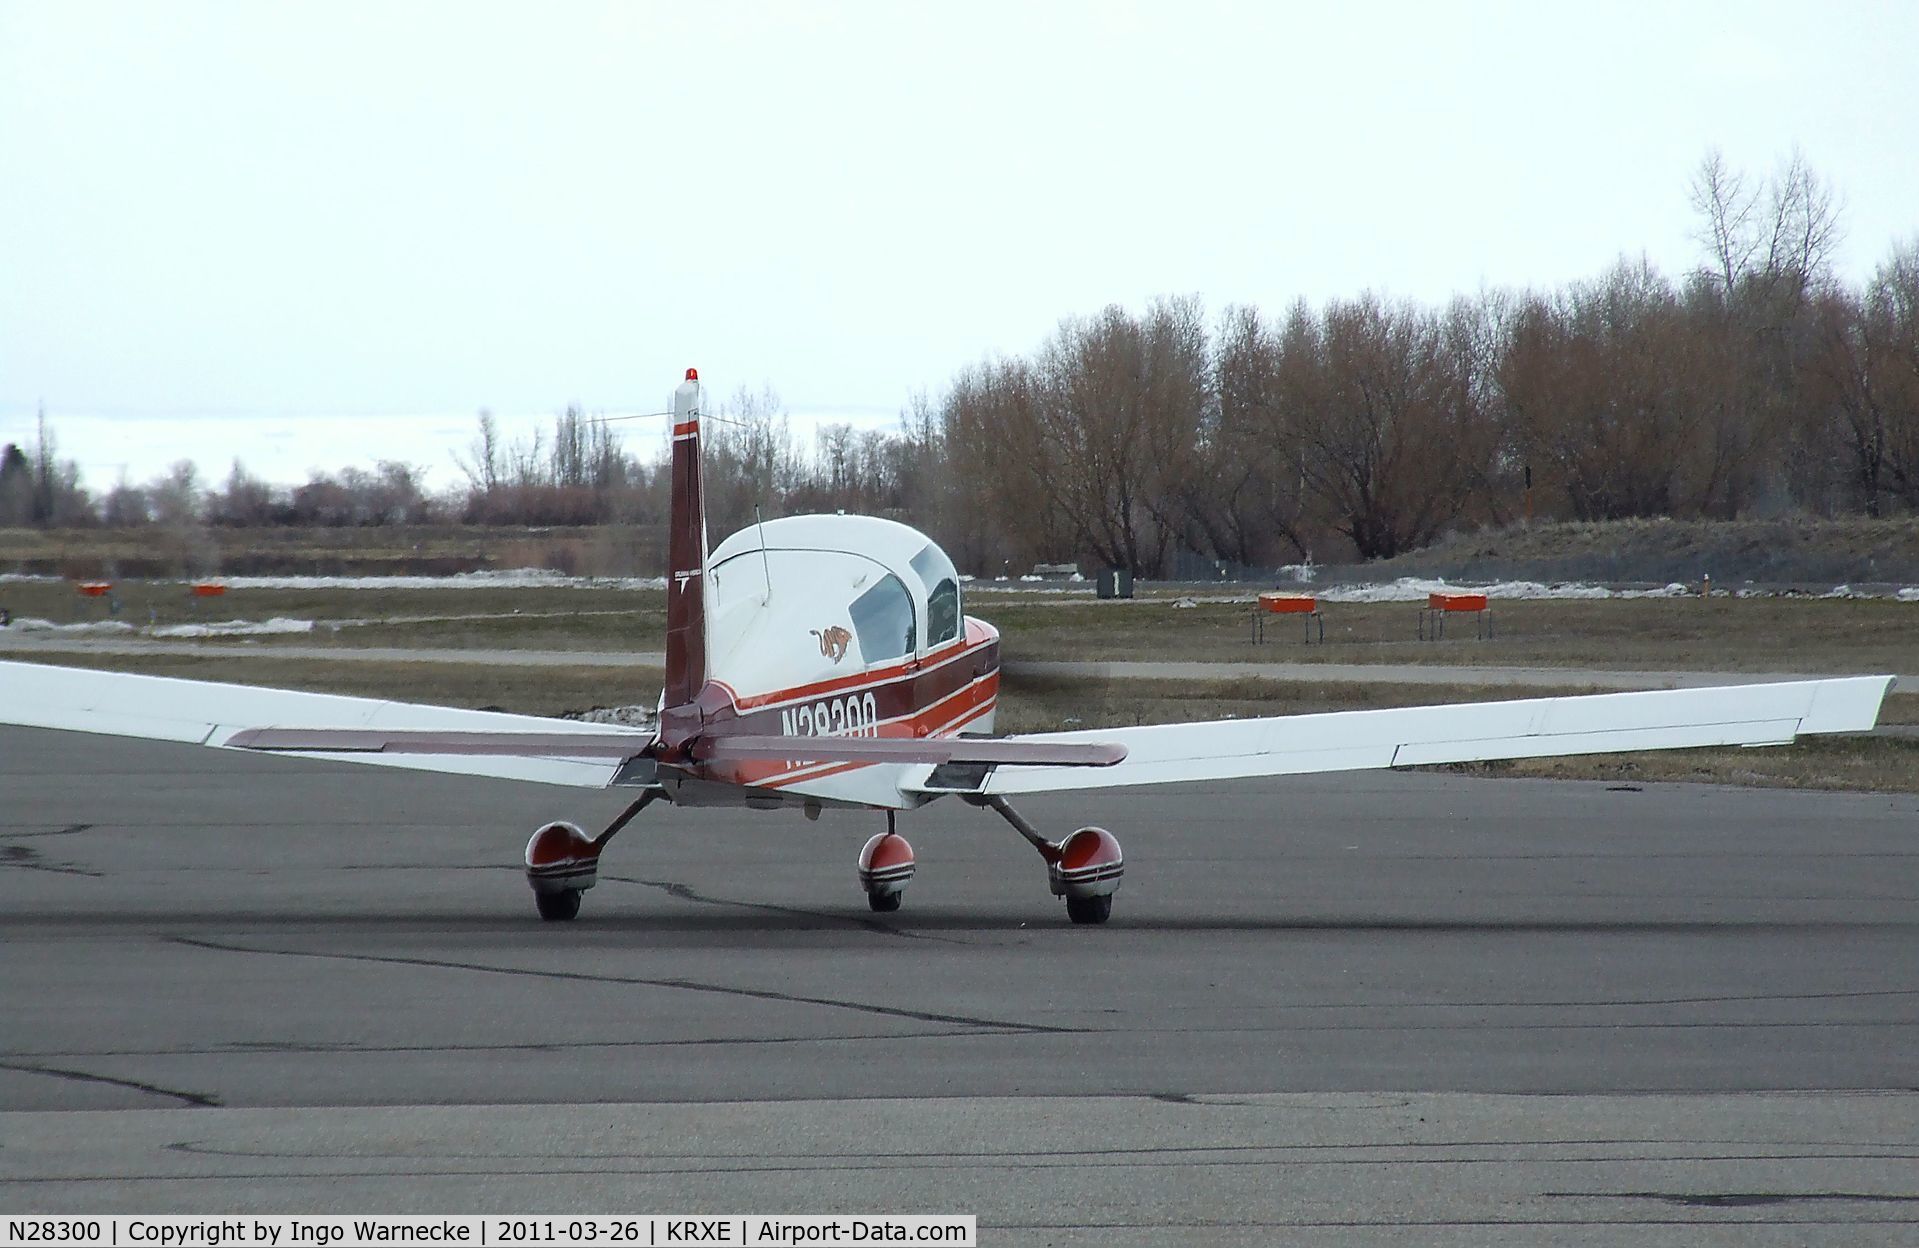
{"points": [[1772, 552], [161, 551], [1793, 551]]}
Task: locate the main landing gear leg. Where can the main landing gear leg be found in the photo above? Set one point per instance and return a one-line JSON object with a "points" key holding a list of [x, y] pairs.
{"points": [[886, 865], [1085, 868], [562, 863]]}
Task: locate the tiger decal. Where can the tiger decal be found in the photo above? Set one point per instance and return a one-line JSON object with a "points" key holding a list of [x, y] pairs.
{"points": [[833, 641]]}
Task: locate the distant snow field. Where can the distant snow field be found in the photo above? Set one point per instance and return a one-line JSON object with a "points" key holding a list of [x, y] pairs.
{"points": [[279, 625]]}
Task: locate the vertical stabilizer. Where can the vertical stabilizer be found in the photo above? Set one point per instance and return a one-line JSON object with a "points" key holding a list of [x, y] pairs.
{"points": [[686, 552]]}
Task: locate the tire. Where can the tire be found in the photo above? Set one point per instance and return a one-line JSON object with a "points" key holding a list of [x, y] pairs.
{"points": [[1089, 909], [884, 902], [558, 907]]}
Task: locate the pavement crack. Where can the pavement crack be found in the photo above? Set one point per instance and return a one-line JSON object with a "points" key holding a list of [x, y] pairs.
{"points": [[69, 830], [1741, 1200], [27, 858], [686, 985], [242, 1048], [198, 1100]]}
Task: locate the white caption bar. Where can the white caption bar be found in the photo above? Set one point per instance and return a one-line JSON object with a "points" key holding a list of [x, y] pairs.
{"points": [[518, 1231]]}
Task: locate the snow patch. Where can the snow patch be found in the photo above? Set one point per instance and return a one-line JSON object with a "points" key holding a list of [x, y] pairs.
{"points": [[233, 628], [120, 628], [96, 628], [1414, 589], [623, 716]]}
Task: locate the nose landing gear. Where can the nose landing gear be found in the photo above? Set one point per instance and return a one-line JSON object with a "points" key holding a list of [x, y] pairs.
{"points": [[886, 866]]}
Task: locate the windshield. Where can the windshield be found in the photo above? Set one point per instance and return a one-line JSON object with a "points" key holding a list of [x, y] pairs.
{"points": [[943, 612], [883, 618]]}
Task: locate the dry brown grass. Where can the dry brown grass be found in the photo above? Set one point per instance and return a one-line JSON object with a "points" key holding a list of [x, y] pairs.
{"points": [[1719, 634], [1776, 634]]}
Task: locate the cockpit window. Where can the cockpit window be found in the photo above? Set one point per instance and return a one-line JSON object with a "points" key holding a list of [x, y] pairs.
{"points": [[883, 618], [943, 612]]}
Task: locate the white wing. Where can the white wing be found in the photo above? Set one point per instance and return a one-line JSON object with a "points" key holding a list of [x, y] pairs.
{"points": [[359, 730], [1769, 714]]}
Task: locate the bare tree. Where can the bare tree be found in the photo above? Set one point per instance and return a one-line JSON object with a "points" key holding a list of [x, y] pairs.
{"points": [[57, 497], [1249, 496], [1394, 436], [572, 457], [750, 460], [1868, 362], [995, 446], [481, 460], [246, 500], [1767, 241], [177, 498], [126, 505], [1728, 205], [1803, 224], [16, 486], [1117, 408]]}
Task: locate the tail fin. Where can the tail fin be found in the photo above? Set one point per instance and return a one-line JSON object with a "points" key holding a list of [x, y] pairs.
{"points": [[686, 552]]}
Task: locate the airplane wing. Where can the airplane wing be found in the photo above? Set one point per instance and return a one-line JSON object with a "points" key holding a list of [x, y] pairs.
{"points": [[318, 725], [1765, 714]]}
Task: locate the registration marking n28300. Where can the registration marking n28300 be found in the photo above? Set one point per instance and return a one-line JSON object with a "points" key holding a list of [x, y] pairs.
{"points": [[855, 715]]}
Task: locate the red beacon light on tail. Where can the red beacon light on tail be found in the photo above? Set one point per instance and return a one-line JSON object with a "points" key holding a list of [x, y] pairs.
{"points": [[692, 374]]}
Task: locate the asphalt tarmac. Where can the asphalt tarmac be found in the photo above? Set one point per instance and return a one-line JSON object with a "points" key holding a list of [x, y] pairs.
{"points": [[1325, 1010]]}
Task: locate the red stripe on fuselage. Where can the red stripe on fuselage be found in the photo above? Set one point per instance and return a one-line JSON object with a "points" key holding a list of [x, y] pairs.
{"points": [[835, 769], [978, 638], [910, 699], [939, 718]]}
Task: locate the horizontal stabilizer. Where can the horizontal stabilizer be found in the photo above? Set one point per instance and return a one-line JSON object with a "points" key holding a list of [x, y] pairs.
{"points": [[620, 745], [934, 750]]}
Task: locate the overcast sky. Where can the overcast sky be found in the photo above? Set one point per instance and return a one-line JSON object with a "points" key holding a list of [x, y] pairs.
{"points": [[222, 222]]}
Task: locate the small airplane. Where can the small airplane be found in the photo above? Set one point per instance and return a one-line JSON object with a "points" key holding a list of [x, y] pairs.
{"points": [[827, 661]]}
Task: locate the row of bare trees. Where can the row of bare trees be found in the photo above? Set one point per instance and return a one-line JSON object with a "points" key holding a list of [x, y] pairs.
{"points": [[575, 473], [1758, 383]]}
